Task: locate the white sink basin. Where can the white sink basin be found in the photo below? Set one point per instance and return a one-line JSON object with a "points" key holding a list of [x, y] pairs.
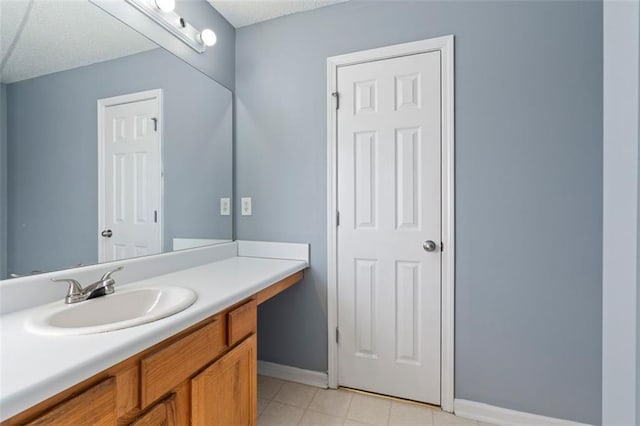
{"points": [[122, 309]]}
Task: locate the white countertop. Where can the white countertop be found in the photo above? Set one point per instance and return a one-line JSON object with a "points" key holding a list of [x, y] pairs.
{"points": [[35, 367]]}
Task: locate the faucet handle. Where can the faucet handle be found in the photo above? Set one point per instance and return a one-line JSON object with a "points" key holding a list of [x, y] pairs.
{"points": [[75, 289], [107, 276]]}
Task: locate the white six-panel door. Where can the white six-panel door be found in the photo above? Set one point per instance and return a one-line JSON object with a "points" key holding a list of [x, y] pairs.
{"points": [[130, 197], [389, 184]]}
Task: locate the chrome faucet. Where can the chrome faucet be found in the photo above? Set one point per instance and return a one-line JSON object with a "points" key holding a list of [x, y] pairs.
{"points": [[102, 287]]}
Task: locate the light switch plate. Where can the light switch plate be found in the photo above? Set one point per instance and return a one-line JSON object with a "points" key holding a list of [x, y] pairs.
{"points": [[245, 202], [225, 206]]}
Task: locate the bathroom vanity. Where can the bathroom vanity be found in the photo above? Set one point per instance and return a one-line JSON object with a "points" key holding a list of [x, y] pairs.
{"points": [[198, 366]]}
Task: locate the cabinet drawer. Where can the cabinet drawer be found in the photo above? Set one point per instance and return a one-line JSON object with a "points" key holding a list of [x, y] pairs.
{"points": [[242, 321], [95, 406], [162, 371]]}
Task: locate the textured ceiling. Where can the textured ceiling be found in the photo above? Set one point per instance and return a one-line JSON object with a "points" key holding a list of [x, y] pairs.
{"points": [[246, 12], [60, 35]]}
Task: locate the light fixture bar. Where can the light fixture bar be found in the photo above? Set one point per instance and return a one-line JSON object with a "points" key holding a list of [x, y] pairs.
{"points": [[171, 22]]}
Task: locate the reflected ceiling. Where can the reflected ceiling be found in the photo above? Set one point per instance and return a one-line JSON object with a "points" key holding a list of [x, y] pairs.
{"points": [[59, 35]]}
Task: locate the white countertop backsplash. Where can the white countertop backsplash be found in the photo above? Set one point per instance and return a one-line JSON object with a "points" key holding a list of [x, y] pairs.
{"points": [[35, 367]]}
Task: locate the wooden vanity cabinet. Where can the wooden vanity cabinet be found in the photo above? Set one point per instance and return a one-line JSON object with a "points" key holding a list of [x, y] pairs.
{"points": [[205, 375], [212, 370]]}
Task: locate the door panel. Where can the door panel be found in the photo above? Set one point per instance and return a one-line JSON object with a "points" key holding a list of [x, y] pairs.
{"points": [[389, 142], [132, 182]]}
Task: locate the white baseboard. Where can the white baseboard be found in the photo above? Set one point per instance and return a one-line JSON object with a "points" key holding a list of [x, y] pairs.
{"points": [[293, 374], [503, 416]]}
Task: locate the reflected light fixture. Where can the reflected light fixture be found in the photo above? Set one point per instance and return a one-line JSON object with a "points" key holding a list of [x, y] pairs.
{"points": [[162, 12], [166, 5]]}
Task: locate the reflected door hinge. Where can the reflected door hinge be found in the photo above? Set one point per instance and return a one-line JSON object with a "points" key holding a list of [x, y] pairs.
{"points": [[155, 216], [337, 218], [337, 335], [155, 124], [337, 96]]}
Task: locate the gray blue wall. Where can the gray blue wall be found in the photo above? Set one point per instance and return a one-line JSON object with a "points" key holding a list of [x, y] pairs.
{"points": [[217, 62], [621, 117], [52, 156], [3, 181], [528, 185]]}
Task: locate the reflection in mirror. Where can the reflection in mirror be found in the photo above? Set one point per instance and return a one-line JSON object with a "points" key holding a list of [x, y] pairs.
{"points": [[111, 147]]}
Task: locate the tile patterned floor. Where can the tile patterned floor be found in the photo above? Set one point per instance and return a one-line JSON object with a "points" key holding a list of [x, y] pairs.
{"points": [[283, 403]]}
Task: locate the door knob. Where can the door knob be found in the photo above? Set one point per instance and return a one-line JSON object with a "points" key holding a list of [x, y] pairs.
{"points": [[106, 233], [429, 245]]}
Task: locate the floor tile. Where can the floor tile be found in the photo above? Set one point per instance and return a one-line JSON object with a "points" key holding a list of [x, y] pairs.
{"points": [[262, 404], [312, 418], [441, 418], [333, 402], [282, 403], [349, 422], [368, 409], [277, 414], [410, 415], [295, 394], [268, 387]]}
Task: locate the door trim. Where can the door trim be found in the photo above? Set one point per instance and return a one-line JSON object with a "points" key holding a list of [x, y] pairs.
{"points": [[103, 104], [445, 45]]}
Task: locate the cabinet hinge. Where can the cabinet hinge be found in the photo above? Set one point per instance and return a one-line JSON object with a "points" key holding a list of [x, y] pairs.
{"points": [[155, 124], [337, 96], [337, 335]]}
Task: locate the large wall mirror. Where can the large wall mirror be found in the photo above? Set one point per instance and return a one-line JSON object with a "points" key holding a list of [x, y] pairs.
{"points": [[111, 147]]}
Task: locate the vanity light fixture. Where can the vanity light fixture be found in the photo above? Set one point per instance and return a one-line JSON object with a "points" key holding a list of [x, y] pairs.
{"points": [[208, 37], [161, 11]]}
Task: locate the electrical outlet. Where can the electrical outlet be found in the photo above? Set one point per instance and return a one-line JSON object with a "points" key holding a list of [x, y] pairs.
{"points": [[225, 206], [246, 206]]}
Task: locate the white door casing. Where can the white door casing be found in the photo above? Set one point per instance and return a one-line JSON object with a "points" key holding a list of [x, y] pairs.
{"points": [[390, 160], [130, 175]]}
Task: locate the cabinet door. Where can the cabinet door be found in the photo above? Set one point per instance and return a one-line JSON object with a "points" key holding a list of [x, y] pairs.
{"points": [[225, 393], [163, 413], [95, 406]]}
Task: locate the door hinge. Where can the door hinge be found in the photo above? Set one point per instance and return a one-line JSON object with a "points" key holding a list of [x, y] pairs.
{"points": [[155, 216], [337, 218], [337, 335], [441, 246], [337, 96], [155, 124]]}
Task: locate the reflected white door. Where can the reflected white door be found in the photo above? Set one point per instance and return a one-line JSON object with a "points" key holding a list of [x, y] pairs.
{"points": [[389, 141], [131, 188]]}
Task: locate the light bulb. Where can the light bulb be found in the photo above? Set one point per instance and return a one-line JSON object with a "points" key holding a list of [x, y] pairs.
{"points": [[166, 5], [208, 37]]}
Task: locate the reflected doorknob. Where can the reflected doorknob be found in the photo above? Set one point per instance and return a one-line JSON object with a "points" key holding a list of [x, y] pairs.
{"points": [[429, 245], [107, 233]]}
